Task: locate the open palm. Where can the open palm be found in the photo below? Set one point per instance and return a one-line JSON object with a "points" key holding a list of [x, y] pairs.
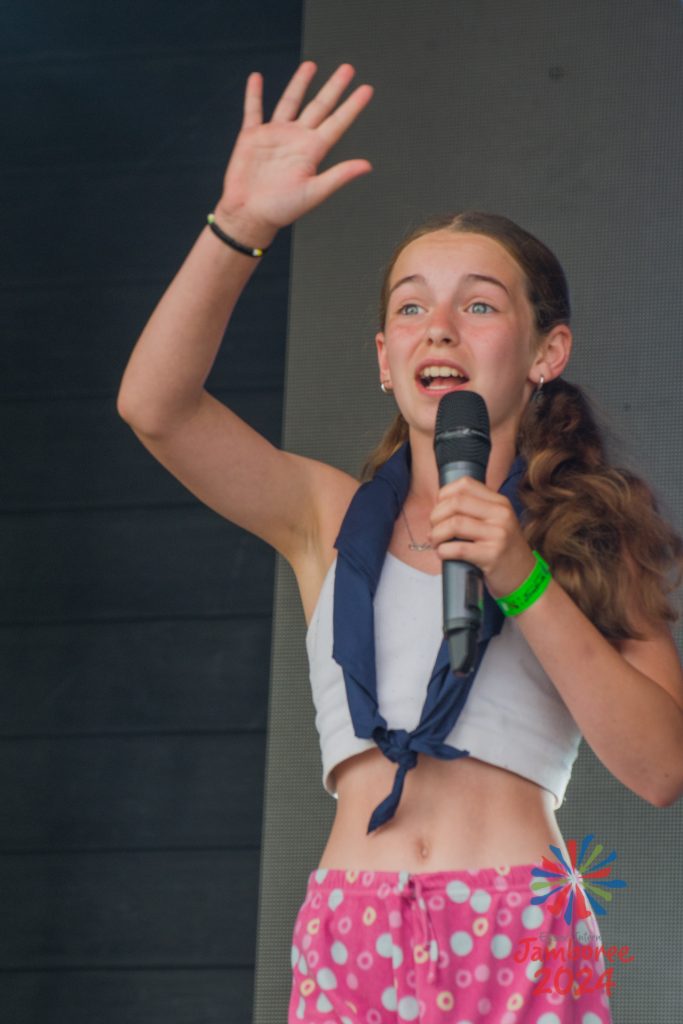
{"points": [[272, 175]]}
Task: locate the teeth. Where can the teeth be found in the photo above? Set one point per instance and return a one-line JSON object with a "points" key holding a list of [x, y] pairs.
{"points": [[440, 371]]}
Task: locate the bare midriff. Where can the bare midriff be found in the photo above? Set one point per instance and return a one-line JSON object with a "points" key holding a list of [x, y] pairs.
{"points": [[453, 815]]}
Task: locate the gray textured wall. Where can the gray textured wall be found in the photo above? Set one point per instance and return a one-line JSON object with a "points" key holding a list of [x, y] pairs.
{"points": [[565, 117]]}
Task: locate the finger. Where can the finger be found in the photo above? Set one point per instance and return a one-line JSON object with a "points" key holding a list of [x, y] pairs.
{"points": [[462, 528], [482, 504], [315, 112], [289, 103], [468, 485], [336, 177], [337, 123], [253, 101], [464, 505]]}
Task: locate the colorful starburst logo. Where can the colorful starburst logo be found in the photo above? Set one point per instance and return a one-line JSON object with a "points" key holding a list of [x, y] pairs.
{"points": [[574, 883]]}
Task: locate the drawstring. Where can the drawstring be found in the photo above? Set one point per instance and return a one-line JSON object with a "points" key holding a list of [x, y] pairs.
{"points": [[428, 934]]}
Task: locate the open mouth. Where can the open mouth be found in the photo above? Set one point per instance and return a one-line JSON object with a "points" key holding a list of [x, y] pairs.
{"points": [[438, 379]]}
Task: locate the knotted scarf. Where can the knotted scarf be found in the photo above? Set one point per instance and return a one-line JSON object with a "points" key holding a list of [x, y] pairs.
{"points": [[362, 545]]}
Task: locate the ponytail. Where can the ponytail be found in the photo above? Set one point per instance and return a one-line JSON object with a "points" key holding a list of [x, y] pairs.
{"points": [[392, 439], [597, 525]]}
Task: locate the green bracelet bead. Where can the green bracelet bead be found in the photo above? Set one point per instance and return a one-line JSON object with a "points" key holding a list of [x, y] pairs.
{"points": [[524, 596]]}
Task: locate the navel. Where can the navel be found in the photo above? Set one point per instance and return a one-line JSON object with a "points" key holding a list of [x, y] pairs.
{"points": [[423, 850]]}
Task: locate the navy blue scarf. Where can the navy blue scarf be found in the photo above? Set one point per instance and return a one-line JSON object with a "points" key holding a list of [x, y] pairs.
{"points": [[362, 545]]}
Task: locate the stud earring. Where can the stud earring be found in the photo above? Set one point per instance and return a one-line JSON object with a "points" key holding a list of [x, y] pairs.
{"points": [[385, 390]]}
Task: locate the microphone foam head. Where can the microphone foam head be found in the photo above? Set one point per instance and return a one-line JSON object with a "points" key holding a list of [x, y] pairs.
{"points": [[462, 432]]}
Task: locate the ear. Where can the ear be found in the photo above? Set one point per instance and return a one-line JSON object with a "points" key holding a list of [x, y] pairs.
{"points": [[553, 354], [382, 355]]}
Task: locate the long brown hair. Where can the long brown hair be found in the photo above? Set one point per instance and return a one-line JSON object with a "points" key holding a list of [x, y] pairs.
{"points": [[597, 525]]}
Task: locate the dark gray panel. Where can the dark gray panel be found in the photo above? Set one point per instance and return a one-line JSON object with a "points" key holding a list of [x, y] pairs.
{"points": [[130, 792], [114, 677], [84, 454], [85, 330], [140, 109], [78, 29], [128, 997], [142, 243], [116, 127], [134, 563], [157, 909]]}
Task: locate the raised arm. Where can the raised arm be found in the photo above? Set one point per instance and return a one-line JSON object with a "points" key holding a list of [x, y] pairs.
{"points": [[270, 181]]}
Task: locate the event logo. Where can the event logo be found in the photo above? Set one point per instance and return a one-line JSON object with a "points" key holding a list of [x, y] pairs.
{"points": [[575, 882]]}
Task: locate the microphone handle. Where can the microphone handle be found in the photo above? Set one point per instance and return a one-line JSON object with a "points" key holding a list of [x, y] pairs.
{"points": [[463, 588], [463, 604]]}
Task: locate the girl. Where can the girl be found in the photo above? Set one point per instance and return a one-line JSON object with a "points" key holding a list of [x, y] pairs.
{"points": [[421, 903]]}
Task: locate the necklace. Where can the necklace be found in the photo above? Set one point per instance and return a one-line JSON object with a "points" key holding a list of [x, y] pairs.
{"points": [[414, 546]]}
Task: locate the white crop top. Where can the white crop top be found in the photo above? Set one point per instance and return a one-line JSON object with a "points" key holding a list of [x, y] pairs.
{"points": [[513, 717]]}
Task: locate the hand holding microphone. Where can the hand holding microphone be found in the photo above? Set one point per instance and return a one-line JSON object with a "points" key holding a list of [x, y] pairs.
{"points": [[487, 541]]}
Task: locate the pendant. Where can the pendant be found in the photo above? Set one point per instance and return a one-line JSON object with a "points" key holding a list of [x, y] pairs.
{"points": [[419, 547]]}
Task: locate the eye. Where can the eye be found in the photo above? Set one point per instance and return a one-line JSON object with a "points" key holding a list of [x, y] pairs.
{"points": [[480, 307], [407, 307]]}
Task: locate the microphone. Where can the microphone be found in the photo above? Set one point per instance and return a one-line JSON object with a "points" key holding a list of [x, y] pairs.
{"points": [[462, 445]]}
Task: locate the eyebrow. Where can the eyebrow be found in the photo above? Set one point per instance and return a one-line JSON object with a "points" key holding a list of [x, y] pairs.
{"points": [[491, 280], [468, 277], [405, 280]]}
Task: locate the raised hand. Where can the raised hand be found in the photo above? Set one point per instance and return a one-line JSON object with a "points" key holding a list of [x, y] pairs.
{"points": [[272, 178]]}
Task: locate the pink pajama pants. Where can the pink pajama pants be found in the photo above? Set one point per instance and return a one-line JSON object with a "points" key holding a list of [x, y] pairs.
{"points": [[445, 947]]}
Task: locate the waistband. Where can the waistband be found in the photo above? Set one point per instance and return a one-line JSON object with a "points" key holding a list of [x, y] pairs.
{"points": [[459, 885], [493, 879]]}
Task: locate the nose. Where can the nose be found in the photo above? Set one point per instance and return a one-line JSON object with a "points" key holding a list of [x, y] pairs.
{"points": [[441, 328]]}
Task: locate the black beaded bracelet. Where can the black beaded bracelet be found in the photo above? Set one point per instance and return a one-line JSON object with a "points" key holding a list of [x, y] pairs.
{"points": [[231, 241]]}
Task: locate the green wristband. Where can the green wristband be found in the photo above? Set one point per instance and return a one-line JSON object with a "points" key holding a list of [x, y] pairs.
{"points": [[524, 596]]}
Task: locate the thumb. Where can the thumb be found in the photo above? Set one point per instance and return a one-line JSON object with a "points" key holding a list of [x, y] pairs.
{"points": [[325, 184]]}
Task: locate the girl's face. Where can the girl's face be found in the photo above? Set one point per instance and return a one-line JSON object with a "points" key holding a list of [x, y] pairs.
{"points": [[459, 301]]}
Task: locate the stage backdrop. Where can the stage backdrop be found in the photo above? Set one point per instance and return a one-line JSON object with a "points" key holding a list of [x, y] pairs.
{"points": [[135, 623], [565, 117]]}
